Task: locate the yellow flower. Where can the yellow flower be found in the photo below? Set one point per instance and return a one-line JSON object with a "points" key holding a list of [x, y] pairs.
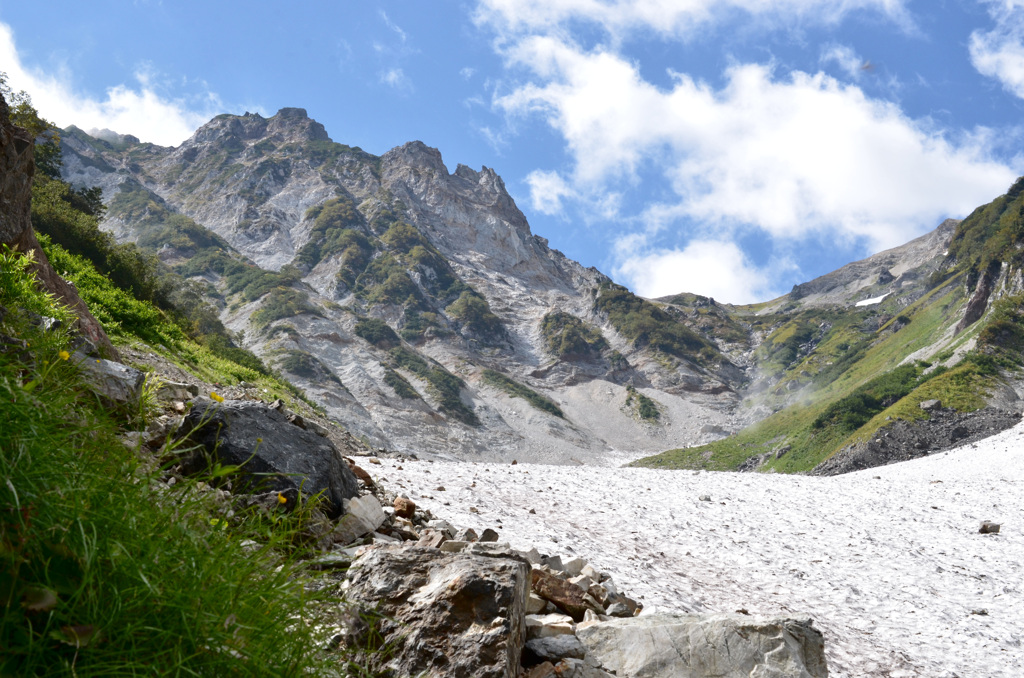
{"points": [[216, 396], [64, 355], [281, 499]]}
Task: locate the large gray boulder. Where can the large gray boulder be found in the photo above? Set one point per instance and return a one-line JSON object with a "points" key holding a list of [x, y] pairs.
{"points": [[705, 646], [117, 384], [274, 454], [443, 615]]}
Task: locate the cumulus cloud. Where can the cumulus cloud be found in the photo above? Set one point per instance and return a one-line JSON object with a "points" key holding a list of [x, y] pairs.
{"points": [[713, 268], [665, 17], [138, 109], [547, 189], [999, 53], [793, 156]]}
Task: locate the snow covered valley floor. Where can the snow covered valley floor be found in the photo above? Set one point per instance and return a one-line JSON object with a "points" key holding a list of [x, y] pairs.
{"points": [[888, 562]]}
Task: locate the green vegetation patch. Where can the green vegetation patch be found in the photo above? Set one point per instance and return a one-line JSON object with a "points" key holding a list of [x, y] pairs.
{"points": [[647, 325], [399, 384], [517, 390], [336, 228], [644, 407], [569, 338], [282, 302], [475, 313], [306, 365], [444, 385], [377, 332]]}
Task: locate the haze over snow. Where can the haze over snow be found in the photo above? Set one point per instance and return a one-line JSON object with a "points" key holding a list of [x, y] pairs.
{"points": [[726, 147]]}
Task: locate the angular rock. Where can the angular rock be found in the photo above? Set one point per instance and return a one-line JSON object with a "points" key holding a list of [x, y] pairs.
{"points": [[535, 604], [573, 566], [443, 615], [545, 625], [272, 454], [988, 527], [488, 535], [116, 384], [468, 534], [578, 668], [405, 507], [931, 405], [172, 390], [432, 539], [362, 516], [567, 597], [553, 648], [705, 646], [453, 546]]}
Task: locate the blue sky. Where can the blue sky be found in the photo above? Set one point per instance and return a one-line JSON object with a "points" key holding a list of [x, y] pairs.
{"points": [[726, 147]]}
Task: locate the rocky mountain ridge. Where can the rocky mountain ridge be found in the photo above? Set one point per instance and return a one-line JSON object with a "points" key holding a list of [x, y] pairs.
{"points": [[418, 308]]}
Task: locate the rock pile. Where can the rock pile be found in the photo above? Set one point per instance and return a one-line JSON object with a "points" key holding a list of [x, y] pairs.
{"points": [[422, 597]]}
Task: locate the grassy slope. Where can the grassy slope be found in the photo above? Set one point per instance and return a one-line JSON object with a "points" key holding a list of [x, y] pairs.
{"points": [[929, 318], [106, 569]]}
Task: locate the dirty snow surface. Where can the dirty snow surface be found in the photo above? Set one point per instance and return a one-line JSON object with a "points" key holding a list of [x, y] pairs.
{"points": [[888, 562]]}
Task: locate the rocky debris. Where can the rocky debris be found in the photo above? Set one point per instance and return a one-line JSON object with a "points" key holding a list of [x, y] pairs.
{"points": [[565, 595], [363, 515], [988, 527], [271, 453], [543, 626], [904, 440], [404, 507], [117, 384], [705, 646], [443, 614]]}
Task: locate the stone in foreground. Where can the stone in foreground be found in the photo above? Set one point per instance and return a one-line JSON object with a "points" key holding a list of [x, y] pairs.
{"points": [[706, 646], [443, 614], [273, 454]]}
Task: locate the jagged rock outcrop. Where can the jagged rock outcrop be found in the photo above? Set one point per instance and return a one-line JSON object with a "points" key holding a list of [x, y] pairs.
{"points": [[443, 615], [17, 167]]}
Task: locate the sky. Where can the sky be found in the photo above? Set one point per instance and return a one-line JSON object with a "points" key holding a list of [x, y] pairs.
{"points": [[731, 148]]}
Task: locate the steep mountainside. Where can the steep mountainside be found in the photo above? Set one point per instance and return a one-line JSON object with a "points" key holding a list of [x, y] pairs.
{"points": [[414, 304], [418, 308]]}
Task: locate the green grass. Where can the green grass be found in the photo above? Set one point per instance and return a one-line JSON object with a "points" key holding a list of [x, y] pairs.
{"points": [[104, 569], [516, 390], [866, 385]]}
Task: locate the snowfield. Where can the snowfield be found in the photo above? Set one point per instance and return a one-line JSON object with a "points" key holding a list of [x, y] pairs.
{"points": [[888, 562]]}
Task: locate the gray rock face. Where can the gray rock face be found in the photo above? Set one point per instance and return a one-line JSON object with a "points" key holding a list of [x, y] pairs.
{"points": [[444, 615], [274, 454], [715, 646], [117, 384]]}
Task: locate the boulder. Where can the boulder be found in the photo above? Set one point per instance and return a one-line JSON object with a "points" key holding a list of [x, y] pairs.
{"points": [[362, 516], [988, 527], [705, 646], [404, 507], [928, 405], [545, 625], [442, 614], [117, 384], [553, 648], [568, 597], [272, 453]]}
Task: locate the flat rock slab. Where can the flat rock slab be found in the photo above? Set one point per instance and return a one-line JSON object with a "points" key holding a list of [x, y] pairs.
{"points": [[117, 384], [443, 615], [274, 455], [706, 646]]}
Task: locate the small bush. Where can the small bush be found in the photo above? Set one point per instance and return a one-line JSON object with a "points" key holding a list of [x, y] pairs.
{"points": [[377, 332], [569, 338], [475, 313]]}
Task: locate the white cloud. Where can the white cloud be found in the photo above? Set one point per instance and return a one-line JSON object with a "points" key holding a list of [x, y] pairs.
{"points": [[128, 109], [666, 17], [844, 57], [547, 189], [794, 156], [396, 77], [999, 53], [712, 268]]}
